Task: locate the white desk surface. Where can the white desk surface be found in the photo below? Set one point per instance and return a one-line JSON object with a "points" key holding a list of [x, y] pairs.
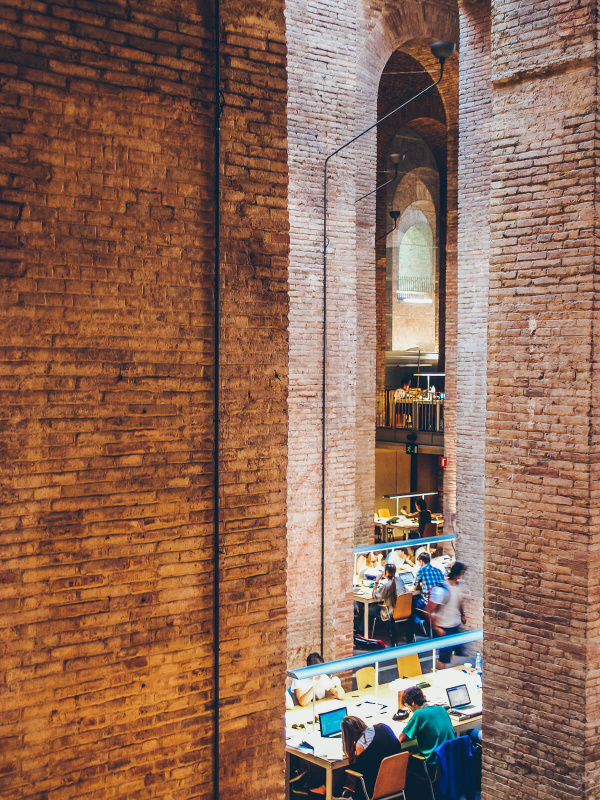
{"points": [[372, 708]]}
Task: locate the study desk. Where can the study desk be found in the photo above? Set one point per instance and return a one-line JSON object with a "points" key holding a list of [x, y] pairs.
{"points": [[405, 526], [371, 707]]}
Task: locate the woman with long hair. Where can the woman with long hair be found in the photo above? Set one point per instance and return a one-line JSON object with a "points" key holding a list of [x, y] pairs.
{"points": [[366, 747], [386, 590]]}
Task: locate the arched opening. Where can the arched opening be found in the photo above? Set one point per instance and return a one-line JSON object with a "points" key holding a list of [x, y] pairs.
{"points": [[411, 279]]}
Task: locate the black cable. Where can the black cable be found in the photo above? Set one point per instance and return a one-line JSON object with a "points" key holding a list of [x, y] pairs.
{"points": [[219, 102], [377, 188]]}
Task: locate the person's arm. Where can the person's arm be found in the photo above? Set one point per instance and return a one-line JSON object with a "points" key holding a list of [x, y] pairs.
{"points": [[379, 588], [304, 698], [410, 729], [336, 689]]}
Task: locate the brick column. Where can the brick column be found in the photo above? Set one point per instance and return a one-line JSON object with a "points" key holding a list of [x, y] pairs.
{"points": [[320, 119], [466, 451], [542, 657]]}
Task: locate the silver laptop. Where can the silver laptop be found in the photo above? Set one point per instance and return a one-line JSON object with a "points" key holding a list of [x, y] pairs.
{"points": [[460, 702]]}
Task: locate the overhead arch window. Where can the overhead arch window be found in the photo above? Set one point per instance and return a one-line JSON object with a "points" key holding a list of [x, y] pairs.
{"points": [[416, 266]]}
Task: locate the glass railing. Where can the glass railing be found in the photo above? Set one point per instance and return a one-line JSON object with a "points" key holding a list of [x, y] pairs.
{"points": [[390, 653], [419, 413]]}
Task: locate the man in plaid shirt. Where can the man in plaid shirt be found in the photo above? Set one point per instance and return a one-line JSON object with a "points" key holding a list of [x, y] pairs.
{"points": [[427, 576]]}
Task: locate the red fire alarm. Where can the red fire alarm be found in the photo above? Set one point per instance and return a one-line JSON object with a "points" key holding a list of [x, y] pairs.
{"points": [[443, 461]]}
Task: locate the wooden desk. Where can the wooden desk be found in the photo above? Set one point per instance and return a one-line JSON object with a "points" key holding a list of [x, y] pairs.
{"points": [[405, 527], [328, 753]]}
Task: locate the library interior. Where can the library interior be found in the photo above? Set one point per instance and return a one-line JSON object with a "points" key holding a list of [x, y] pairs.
{"points": [[299, 443]]}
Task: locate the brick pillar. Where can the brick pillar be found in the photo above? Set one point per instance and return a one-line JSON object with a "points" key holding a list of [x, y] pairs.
{"points": [[106, 395], [542, 661], [472, 295], [320, 119]]}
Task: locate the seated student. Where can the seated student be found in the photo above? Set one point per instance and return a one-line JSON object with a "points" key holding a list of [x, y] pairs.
{"points": [[401, 560], [365, 748], [429, 725], [368, 565], [387, 588], [302, 689], [427, 576], [423, 515]]}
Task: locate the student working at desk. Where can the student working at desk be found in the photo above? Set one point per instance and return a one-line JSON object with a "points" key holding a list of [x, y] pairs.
{"points": [[423, 515], [365, 748], [302, 690]]}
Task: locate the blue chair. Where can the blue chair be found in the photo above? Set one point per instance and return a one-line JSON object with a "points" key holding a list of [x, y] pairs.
{"points": [[454, 770]]}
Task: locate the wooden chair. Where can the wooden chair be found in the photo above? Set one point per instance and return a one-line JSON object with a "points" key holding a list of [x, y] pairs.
{"points": [[403, 608], [391, 778], [409, 666], [365, 677], [384, 512], [429, 530]]}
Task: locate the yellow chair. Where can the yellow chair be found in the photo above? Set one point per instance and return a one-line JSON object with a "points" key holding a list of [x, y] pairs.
{"points": [[365, 677], [403, 607], [384, 512], [409, 666]]}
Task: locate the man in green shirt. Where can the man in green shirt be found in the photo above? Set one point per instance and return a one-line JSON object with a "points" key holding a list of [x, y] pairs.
{"points": [[429, 725]]}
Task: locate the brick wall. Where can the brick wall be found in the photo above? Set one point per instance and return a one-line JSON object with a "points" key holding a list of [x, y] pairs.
{"points": [[107, 254], [542, 595]]}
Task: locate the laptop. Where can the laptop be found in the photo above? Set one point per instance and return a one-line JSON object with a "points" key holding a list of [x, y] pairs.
{"points": [[331, 722], [460, 702], [407, 579]]}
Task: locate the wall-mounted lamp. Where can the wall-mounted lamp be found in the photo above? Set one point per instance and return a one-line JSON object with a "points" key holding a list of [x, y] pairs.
{"points": [[395, 158], [394, 215]]}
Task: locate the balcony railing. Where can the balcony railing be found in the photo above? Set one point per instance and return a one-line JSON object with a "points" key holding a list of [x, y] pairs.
{"points": [[418, 413]]}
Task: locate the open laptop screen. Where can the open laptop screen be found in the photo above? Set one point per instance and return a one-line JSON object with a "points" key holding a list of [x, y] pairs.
{"points": [[331, 721], [458, 696]]}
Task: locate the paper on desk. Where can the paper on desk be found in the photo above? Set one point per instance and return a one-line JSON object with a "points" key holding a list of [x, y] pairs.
{"points": [[400, 684], [329, 748]]}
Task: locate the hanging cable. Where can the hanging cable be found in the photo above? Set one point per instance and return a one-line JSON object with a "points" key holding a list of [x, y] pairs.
{"points": [[387, 183], [218, 103]]}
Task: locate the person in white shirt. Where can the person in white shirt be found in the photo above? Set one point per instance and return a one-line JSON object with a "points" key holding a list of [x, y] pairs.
{"points": [[302, 689], [401, 560], [446, 611]]}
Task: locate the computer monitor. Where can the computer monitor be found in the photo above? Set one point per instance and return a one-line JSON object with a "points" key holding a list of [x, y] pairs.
{"points": [[331, 721]]}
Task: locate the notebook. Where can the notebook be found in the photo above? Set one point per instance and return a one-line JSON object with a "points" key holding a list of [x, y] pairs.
{"points": [[331, 722]]}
